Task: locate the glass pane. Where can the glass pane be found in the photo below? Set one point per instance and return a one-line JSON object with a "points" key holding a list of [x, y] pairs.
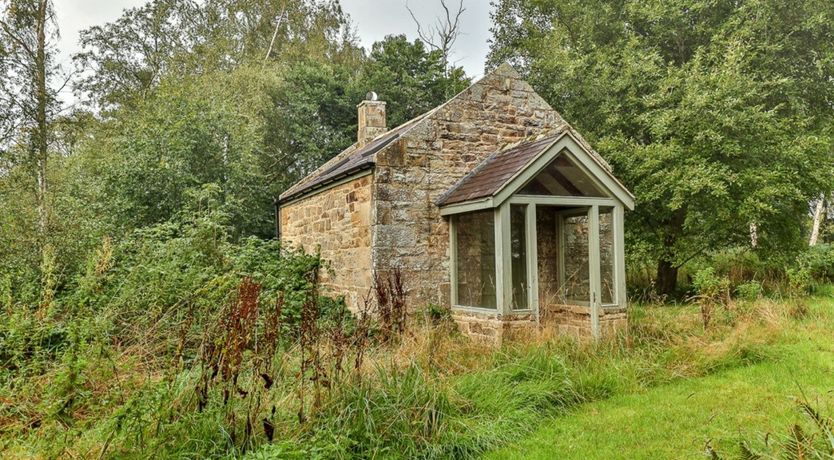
{"points": [[563, 178], [577, 270], [518, 255], [606, 255], [547, 245], [476, 259]]}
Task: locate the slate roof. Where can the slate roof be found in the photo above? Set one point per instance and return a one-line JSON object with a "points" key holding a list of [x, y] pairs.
{"points": [[491, 174], [349, 161]]}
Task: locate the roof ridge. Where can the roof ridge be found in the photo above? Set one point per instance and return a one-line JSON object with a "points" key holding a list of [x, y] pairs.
{"points": [[320, 174], [345, 152]]}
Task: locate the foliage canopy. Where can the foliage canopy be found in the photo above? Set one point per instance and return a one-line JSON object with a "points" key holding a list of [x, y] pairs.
{"points": [[717, 114]]}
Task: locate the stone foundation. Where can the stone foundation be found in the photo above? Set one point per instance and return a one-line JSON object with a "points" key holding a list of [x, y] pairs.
{"points": [[575, 320], [490, 328]]}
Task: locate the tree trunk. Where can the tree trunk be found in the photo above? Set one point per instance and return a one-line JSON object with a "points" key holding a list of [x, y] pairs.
{"points": [[41, 102], [667, 277], [815, 229], [667, 271]]}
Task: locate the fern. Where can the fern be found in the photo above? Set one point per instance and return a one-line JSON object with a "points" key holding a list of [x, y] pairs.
{"points": [[823, 423], [747, 453], [796, 444]]}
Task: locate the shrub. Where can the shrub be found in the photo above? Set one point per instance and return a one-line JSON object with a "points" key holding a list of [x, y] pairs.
{"points": [[800, 281], [712, 290], [749, 291], [818, 261], [709, 284]]}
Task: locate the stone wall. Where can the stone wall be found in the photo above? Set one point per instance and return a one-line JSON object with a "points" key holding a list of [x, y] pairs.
{"points": [[336, 222], [432, 157], [575, 320]]}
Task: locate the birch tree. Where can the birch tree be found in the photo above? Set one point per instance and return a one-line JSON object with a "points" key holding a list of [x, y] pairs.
{"points": [[819, 214], [27, 35]]}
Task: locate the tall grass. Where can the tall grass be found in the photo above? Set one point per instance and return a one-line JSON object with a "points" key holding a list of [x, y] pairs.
{"points": [[430, 394], [452, 399]]}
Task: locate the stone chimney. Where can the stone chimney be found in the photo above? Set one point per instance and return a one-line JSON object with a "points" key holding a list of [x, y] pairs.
{"points": [[371, 119]]}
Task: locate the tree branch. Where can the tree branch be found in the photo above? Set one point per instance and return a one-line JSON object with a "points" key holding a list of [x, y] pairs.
{"points": [[16, 39], [275, 34], [443, 35]]}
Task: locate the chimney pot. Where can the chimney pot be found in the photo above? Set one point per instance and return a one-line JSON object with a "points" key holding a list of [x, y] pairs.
{"points": [[371, 119]]}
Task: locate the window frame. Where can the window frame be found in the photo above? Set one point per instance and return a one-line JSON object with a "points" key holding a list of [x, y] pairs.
{"points": [[454, 226]]}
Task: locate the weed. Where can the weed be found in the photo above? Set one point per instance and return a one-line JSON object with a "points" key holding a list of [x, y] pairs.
{"points": [[712, 291]]}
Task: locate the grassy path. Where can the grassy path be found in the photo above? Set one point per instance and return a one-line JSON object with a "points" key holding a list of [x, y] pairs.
{"points": [[676, 420]]}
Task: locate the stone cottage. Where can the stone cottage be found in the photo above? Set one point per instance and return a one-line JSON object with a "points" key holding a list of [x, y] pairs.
{"points": [[491, 205]]}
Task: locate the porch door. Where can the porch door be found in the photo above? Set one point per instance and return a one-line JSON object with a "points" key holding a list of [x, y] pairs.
{"points": [[550, 254], [568, 251], [580, 264]]}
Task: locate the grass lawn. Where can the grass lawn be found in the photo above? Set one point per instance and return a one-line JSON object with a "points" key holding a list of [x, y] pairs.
{"points": [[676, 420]]}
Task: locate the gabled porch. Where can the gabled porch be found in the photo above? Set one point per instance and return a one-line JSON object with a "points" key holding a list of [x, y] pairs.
{"points": [[536, 238]]}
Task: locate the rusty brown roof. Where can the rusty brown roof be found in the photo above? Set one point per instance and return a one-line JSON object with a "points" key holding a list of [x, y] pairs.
{"points": [[491, 174]]}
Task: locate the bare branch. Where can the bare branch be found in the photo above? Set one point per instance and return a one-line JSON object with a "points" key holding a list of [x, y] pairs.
{"points": [[444, 33], [424, 37], [275, 34]]}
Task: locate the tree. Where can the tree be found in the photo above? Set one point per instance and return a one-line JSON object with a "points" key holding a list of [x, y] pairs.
{"points": [[820, 210], [715, 113], [442, 35], [27, 31], [189, 132], [126, 59], [409, 77]]}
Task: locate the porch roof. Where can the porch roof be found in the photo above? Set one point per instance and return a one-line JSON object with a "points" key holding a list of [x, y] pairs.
{"points": [[491, 174], [499, 170]]}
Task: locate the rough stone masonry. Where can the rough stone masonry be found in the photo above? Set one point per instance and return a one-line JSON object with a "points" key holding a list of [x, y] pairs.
{"points": [[388, 218]]}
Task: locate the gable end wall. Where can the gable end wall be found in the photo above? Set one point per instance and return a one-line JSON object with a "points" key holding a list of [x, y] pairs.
{"points": [[410, 176]]}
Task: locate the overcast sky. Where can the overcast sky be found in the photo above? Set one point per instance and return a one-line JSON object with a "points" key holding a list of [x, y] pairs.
{"points": [[373, 19]]}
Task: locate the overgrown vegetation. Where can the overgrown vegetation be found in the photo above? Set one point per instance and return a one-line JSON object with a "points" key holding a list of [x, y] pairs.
{"points": [[145, 310], [274, 370]]}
